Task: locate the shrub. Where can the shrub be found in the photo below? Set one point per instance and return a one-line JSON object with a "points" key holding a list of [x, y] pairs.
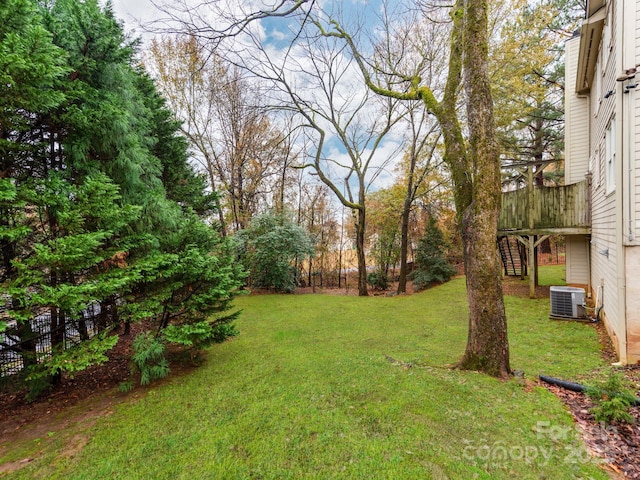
{"points": [[613, 399], [378, 280], [270, 247], [199, 335], [148, 358]]}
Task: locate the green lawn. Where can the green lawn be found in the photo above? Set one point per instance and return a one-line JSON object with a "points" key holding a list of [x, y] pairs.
{"points": [[309, 390]]}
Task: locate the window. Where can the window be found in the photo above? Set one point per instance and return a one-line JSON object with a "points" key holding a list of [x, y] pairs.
{"points": [[610, 156]]}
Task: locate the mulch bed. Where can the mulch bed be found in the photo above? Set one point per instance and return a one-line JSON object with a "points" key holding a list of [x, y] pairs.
{"points": [[616, 447]]}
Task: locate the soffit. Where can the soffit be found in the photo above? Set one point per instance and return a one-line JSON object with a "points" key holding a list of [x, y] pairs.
{"points": [[590, 37]]}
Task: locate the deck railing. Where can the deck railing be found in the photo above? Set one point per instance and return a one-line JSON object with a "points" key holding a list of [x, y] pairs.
{"points": [[564, 209]]}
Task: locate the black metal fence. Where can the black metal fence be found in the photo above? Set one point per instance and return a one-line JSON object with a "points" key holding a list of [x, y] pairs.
{"points": [[27, 343]]}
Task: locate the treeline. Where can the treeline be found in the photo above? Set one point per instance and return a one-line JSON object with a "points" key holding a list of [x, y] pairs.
{"points": [[99, 207]]}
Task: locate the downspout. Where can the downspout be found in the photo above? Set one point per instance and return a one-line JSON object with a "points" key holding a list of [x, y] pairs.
{"points": [[621, 187], [629, 157], [589, 285], [590, 152]]}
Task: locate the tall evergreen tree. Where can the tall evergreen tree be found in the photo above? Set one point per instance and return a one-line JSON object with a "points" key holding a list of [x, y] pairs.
{"points": [[30, 66], [431, 263], [65, 267], [97, 198]]}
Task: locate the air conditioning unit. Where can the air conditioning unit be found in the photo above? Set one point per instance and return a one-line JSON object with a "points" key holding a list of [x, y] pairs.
{"points": [[567, 302]]}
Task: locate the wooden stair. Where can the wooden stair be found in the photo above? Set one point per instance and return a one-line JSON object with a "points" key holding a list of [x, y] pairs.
{"points": [[511, 255]]}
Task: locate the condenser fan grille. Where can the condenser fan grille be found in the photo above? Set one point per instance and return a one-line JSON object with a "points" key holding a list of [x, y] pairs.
{"points": [[567, 302]]}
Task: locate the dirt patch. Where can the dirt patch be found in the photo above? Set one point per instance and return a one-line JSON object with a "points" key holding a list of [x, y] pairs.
{"points": [[76, 404], [517, 287], [46, 423], [75, 446], [15, 410], [81, 401], [10, 467]]}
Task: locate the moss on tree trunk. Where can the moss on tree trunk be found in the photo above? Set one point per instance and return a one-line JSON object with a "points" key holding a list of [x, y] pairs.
{"points": [[475, 172], [487, 346]]}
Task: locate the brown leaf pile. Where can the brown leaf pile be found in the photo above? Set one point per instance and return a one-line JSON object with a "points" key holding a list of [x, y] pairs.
{"points": [[617, 445]]}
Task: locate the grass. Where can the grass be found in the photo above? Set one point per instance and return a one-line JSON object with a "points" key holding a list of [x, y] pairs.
{"points": [[551, 275], [319, 387]]}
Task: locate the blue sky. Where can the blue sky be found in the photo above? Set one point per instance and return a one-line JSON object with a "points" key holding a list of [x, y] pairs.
{"points": [[132, 12]]}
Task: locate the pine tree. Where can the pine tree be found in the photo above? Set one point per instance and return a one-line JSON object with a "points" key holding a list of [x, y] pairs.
{"points": [[97, 199], [66, 268], [431, 265], [30, 66]]}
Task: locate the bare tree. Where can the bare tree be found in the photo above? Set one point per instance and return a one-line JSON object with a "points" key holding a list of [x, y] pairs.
{"points": [[313, 79], [475, 173], [358, 124], [316, 213], [475, 168], [421, 152], [234, 137], [412, 44]]}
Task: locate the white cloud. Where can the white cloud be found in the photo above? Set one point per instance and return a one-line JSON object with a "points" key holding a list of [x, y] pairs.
{"points": [[133, 11], [273, 34]]}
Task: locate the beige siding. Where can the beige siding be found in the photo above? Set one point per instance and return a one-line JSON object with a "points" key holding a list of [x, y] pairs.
{"points": [[633, 24], [605, 234], [631, 56], [633, 303], [576, 120], [604, 255], [628, 57], [577, 254], [636, 165]]}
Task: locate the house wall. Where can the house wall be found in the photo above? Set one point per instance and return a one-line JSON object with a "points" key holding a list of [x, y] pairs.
{"points": [[607, 255], [615, 238], [631, 57], [576, 120], [576, 159], [631, 140], [633, 304], [577, 254]]}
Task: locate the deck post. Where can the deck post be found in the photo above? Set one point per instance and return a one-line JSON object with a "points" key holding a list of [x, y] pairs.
{"points": [[531, 242], [533, 270], [532, 265]]}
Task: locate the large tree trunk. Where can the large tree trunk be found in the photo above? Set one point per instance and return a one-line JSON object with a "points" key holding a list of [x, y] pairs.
{"points": [[404, 232], [487, 346], [360, 219]]}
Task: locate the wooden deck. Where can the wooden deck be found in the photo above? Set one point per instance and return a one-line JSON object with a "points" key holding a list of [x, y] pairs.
{"points": [[563, 210]]}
